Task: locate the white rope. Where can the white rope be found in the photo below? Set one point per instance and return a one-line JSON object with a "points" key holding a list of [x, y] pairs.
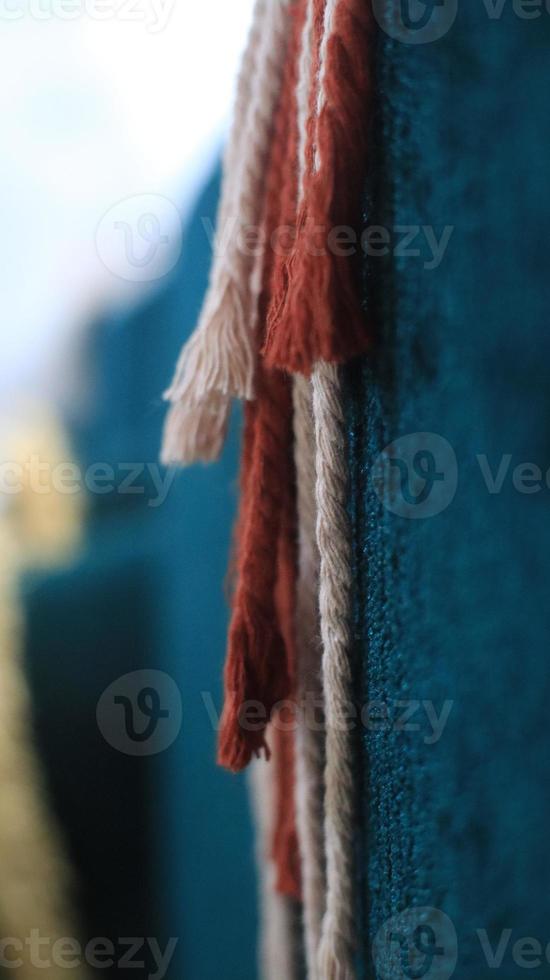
{"points": [[309, 734], [335, 585]]}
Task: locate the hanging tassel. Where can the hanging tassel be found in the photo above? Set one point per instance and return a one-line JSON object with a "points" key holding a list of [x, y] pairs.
{"points": [[196, 433], [315, 319], [279, 210], [256, 668], [257, 665], [220, 356], [286, 854], [285, 840], [316, 312]]}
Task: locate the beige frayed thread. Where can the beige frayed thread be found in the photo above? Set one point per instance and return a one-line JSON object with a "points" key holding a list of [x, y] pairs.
{"points": [[220, 357], [336, 951], [277, 953], [196, 433], [309, 737]]}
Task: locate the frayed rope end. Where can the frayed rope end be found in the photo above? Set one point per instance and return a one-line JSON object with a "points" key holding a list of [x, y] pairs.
{"points": [[236, 751], [219, 356], [335, 960], [195, 433], [255, 678]]}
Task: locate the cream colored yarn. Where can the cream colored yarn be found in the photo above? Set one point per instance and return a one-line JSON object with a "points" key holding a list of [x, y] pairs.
{"points": [[218, 362], [278, 956], [310, 733], [338, 941], [335, 585], [325, 565]]}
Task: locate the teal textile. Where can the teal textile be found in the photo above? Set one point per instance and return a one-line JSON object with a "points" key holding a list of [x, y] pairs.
{"points": [[453, 607]]}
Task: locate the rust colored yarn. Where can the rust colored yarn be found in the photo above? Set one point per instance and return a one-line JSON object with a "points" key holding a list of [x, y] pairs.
{"points": [[281, 195], [258, 666], [282, 189], [257, 669], [286, 854], [316, 312]]}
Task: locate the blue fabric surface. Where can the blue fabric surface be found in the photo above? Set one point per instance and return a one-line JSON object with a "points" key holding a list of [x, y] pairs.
{"points": [[162, 844], [454, 607]]}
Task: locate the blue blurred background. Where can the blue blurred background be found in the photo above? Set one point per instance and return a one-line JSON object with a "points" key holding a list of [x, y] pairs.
{"points": [[113, 129]]}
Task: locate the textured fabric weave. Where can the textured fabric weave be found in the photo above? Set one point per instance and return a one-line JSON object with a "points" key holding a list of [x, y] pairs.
{"points": [[453, 607]]}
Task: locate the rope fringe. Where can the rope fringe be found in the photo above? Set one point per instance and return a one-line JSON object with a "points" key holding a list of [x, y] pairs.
{"points": [[257, 666], [295, 162], [220, 356], [259, 660], [195, 433], [316, 312]]}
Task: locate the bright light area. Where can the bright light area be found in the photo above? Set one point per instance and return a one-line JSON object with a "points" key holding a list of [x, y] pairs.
{"points": [[95, 111]]}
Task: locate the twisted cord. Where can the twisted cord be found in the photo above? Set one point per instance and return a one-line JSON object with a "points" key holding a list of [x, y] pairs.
{"points": [[309, 736], [310, 755], [335, 585]]}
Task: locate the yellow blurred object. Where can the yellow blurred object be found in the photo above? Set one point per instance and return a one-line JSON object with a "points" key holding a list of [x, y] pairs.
{"points": [[36, 529], [42, 505]]}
